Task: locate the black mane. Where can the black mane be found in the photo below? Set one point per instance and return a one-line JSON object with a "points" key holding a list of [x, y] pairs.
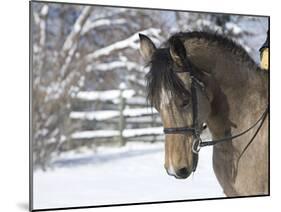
{"points": [[161, 76]]}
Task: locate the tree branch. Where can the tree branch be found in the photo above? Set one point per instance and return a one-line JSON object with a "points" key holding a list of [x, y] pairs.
{"points": [[76, 30], [70, 44], [130, 42], [102, 22]]}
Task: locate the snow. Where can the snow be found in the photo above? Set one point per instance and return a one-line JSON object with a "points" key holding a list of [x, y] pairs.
{"points": [[202, 23], [78, 25], [118, 64], [144, 119], [44, 10], [102, 22], [104, 95], [36, 19], [138, 100], [108, 114], [142, 131], [77, 28], [127, 133], [95, 115], [95, 134], [233, 27], [130, 174], [128, 42], [122, 86], [139, 111]]}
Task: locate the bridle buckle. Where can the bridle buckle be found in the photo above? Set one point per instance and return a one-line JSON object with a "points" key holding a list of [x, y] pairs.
{"points": [[196, 146]]}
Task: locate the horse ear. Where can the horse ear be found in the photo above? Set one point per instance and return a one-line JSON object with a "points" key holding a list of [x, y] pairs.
{"points": [[177, 50], [147, 47]]}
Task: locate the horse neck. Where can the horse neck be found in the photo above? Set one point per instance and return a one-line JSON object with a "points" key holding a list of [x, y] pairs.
{"points": [[240, 88], [244, 85], [236, 75]]}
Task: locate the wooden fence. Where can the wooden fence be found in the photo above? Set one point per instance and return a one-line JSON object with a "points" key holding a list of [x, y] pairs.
{"points": [[128, 119]]}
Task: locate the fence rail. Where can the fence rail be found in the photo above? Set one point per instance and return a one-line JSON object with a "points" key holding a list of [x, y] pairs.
{"points": [[126, 133], [109, 114], [130, 113]]}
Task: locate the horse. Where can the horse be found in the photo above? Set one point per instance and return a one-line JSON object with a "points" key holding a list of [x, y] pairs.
{"points": [[203, 78]]}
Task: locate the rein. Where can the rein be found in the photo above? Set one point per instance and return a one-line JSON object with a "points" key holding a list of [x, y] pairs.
{"points": [[195, 129], [261, 120]]}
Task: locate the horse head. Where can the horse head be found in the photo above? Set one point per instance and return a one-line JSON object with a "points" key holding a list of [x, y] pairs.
{"points": [[183, 109]]}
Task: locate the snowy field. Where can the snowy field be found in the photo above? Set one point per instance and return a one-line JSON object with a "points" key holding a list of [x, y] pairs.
{"points": [[131, 174]]}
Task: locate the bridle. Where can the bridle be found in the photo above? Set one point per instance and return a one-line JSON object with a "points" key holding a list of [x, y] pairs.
{"points": [[196, 129]]}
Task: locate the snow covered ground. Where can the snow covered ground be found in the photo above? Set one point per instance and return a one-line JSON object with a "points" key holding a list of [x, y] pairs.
{"points": [[130, 174]]}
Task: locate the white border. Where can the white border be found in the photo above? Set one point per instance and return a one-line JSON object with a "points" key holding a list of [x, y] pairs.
{"points": [[14, 104]]}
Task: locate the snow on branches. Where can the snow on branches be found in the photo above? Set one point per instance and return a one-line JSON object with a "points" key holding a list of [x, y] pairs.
{"points": [[130, 42]]}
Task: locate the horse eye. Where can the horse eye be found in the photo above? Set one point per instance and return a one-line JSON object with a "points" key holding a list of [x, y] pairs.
{"points": [[185, 104]]}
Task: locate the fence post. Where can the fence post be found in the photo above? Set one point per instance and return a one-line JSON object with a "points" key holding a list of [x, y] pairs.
{"points": [[153, 124], [122, 103]]}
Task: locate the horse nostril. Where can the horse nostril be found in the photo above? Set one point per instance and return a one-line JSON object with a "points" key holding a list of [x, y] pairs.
{"points": [[183, 172]]}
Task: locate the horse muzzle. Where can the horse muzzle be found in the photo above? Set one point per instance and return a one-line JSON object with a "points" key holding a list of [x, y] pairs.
{"points": [[181, 173]]}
